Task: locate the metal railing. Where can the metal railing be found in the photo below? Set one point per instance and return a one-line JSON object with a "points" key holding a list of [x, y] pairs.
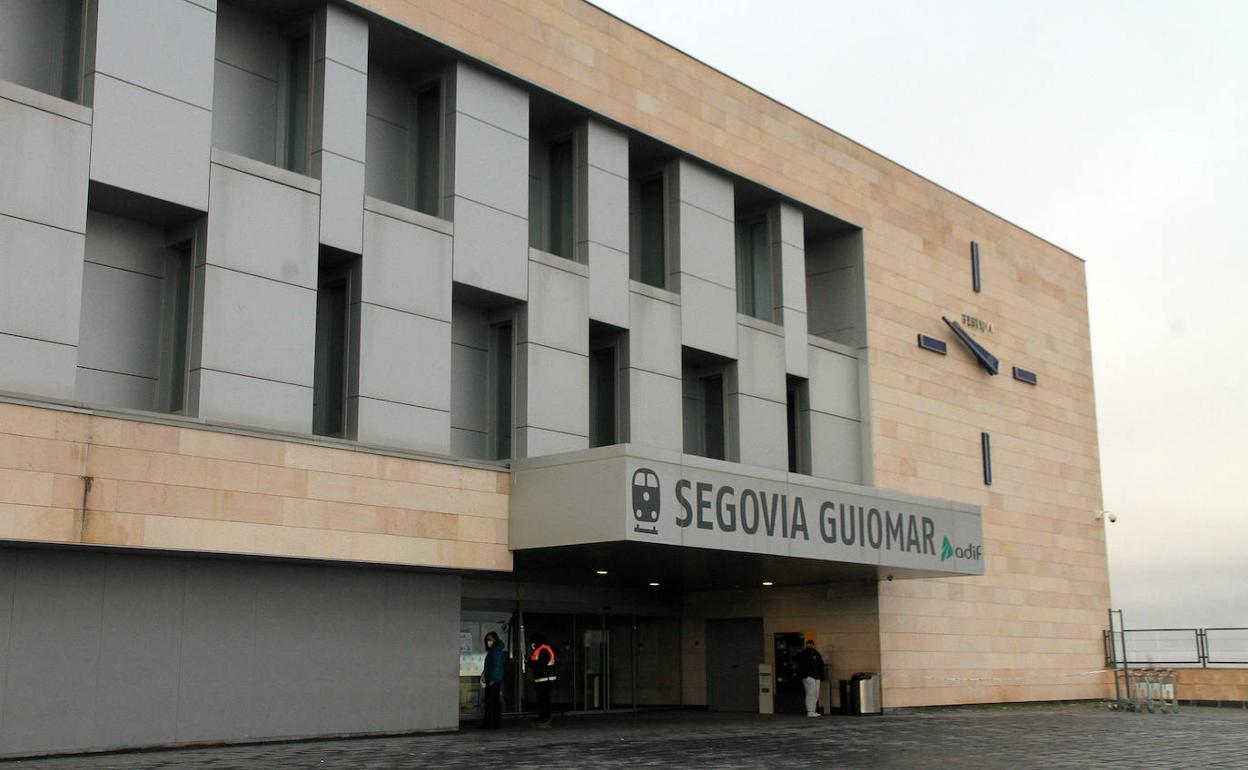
{"points": [[1176, 647]]}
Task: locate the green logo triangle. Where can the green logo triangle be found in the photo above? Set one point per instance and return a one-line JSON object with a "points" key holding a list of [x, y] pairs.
{"points": [[946, 549]]}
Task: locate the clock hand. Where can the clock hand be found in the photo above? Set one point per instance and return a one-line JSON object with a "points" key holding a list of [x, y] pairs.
{"points": [[986, 359]]}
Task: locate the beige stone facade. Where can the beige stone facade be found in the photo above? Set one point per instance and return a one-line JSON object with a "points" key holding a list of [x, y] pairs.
{"points": [[73, 477], [1031, 628]]}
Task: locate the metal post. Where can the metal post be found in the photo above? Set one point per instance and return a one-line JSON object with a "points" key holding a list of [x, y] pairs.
{"points": [[520, 653], [1113, 653]]}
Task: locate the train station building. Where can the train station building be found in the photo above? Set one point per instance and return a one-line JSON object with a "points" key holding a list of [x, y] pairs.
{"points": [[335, 335]]}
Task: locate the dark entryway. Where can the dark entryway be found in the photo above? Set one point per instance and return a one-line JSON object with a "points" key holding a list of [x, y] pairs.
{"points": [[734, 649]]}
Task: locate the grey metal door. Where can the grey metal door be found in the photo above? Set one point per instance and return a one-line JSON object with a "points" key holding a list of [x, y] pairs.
{"points": [[734, 648]]}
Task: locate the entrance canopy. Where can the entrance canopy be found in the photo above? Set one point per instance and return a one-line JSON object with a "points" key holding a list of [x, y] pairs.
{"points": [[669, 508]]}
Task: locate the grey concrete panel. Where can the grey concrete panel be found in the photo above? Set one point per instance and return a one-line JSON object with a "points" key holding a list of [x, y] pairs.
{"points": [[552, 389], [708, 317], [247, 41], [54, 653], [344, 38], [762, 432], [791, 225], [705, 188], [239, 400], [536, 442], [793, 276], [606, 148], [404, 426], [557, 314], [351, 621], [796, 357], [405, 358], [469, 381], [244, 113], [654, 339], [406, 267], [32, 43], [236, 305], [608, 285], [150, 144], [468, 443], [491, 166], [291, 648], [389, 95], [490, 99], [44, 160], [140, 639], [491, 249], [654, 405], [115, 389], [42, 286], [385, 169], [835, 448], [121, 314], [171, 51], [127, 244], [264, 228], [606, 218], [707, 246], [470, 326], [217, 684], [341, 110], [834, 383], [342, 201], [38, 367], [760, 366]]}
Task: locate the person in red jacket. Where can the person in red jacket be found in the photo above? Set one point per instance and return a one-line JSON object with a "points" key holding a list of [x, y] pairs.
{"points": [[542, 664]]}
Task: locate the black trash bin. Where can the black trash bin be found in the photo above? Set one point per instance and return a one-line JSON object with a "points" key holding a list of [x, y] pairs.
{"points": [[847, 706]]}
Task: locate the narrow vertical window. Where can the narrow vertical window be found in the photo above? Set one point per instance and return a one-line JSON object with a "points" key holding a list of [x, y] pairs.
{"points": [[177, 324], [603, 405], [329, 392], [561, 205], [797, 411], [713, 416], [501, 398], [651, 262], [71, 59], [298, 87], [975, 267], [428, 150], [985, 447], [754, 270]]}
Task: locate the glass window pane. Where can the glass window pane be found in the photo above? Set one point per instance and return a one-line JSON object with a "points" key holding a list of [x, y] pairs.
{"points": [[297, 105], [502, 392], [602, 402], [179, 328], [428, 150], [561, 199], [652, 231], [761, 266], [71, 64], [713, 420], [329, 392]]}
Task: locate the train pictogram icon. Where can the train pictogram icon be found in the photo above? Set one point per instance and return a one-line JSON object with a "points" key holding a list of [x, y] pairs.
{"points": [[646, 501]]}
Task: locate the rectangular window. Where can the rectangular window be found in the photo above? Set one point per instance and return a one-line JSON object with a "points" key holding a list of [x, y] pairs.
{"points": [[41, 45], [713, 416], [428, 150], [754, 270], [71, 65], [500, 380], [650, 258], [603, 404], [329, 392], [178, 272], [298, 92], [797, 411], [560, 206]]}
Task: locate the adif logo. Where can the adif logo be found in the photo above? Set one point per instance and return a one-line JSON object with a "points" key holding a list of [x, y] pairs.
{"points": [[646, 501], [947, 551]]}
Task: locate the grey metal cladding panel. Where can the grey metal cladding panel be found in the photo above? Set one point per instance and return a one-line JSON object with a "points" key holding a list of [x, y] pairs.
{"points": [[606, 219], [760, 367], [237, 306], [708, 316], [793, 276], [835, 448], [233, 398], [763, 433], [608, 285], [8, 573], [468, 388], [120, 321], [263, 228], [654, 339], [125, 243], [38, 367], [606, 148], [162, 46], [342, 202], [424, 608], [406, 267], [345, 108], [655, 410], [150, 144], [706, 189], [140, 640], [244, 113], [491, 100], [386, 423], [31, 43], [247, 41], [385, 167], [345, 39], [536, 442], [558, 309], [351, 608], [792, 226], [117, 390], [553, 392], [290, 648], [834, 383], [797, 359], [41, 292], [389, 95], [491, 249], [44, 160], [405, 358], [53, 652], [217, 684], [468, 443], [491, 166], [707, 246], [470, 326]]}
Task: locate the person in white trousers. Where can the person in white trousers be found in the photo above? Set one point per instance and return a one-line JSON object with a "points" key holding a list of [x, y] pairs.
{"points": [[810, 666]]}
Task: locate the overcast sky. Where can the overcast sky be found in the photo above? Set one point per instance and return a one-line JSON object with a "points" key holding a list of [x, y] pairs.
{"points": [[1118, 131]]}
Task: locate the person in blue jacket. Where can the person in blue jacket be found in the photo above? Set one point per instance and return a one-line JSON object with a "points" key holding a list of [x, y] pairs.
{"points": [[492, 678]]}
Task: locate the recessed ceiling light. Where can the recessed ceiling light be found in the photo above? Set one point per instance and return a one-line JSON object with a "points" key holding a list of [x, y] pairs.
{"points": [[601, 571], [767, 582], [654, 584]]}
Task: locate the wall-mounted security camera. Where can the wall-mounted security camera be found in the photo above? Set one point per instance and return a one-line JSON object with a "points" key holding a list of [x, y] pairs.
{"points": [[890, 578], [1110, 515]]}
